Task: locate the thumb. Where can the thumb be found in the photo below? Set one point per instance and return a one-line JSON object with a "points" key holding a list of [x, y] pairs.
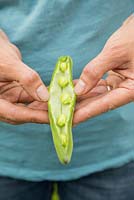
{"points": [[113, 55], [93, 72], [31, 82]]}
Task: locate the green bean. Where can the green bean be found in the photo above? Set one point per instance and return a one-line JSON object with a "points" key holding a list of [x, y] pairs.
{"points": [[61, 107]]}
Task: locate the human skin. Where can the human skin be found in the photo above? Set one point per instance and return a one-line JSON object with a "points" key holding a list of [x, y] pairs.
{"points": [[23, 95], [116, 59], [20, 101], [18, 107], [19, 84]]}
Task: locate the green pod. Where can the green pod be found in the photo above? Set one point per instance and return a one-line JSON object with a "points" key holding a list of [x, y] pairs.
{"points": [[61, 108]]}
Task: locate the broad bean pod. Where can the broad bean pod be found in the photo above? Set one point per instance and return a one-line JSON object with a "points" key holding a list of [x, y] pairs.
{"points": [[61, 108]]}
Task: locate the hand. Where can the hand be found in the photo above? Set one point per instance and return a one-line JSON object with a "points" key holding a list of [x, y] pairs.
{"points": [[14, 71], [85, 100], [117, 58], [18, 107]]}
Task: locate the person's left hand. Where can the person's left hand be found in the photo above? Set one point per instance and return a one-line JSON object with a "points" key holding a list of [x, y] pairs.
{"points": [[100, 99], [117, 58]]}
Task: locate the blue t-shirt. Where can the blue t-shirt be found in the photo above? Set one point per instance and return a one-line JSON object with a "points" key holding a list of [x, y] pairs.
{"points": [[44, 30]]}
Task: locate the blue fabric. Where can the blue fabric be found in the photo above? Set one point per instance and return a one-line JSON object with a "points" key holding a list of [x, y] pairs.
{"points": [[44, 30], [112, 184], [14, 189]]}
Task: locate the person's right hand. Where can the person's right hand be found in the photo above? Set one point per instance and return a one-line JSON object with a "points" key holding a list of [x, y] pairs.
{"points": [[14, 71], [18, 107]]}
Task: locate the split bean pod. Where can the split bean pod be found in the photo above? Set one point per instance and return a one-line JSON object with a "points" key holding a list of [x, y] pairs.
{"points": [[61, 108]]}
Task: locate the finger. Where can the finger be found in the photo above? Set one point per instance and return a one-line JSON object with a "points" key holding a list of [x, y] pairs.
{"points": [[24, 97], [94, 94], [18, 71], [9, 121], [21, 114], [20, 104], [35, 105], [38, 105], [100, 89], [109, 101], [3, 84], [126, 70], [84, 102], [11, 95], [102, 82], [128, 84], [113, 80], [16, 50], [29, 80], [128, 19], [75, 81], [3, 35], [6, 86], [91, 74], [109, 59], [95, 91], [13, 92]]}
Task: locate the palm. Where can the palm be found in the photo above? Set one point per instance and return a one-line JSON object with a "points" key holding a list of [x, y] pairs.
{"points": [[13, 93], [95, 104]]}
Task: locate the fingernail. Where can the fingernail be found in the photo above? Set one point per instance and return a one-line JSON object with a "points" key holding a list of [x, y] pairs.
{"points": [[99, 89], [43, 93], [80, 86]]}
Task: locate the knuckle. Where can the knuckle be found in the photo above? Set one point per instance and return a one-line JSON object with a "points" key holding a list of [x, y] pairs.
{"points": [[34, 120], [91, 73], [85, 72], [128, 20], [87, 113], [111, 50], [131, 95], [30, 77], [16, 50], [116, 52], [111, 107], [13, 115], [107, 106]]}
